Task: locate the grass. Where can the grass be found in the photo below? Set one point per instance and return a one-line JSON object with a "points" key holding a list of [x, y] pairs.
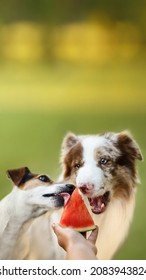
{"points": [[39, 105]]}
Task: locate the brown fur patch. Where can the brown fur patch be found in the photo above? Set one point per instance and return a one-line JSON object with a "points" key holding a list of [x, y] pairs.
{"points": [[129, 153], [35, 182], [127, 145], [123, 183], [20, 176], [108, 152], [72, 158], [69, 141], [24, 179]]}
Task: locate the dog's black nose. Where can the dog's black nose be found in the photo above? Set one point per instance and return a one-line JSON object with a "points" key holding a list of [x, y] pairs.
{"points": [[70, 187]]}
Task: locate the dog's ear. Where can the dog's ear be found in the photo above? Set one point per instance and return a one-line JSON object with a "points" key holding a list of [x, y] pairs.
{"points": [[69, 141], [20, 175], [128, 146]]}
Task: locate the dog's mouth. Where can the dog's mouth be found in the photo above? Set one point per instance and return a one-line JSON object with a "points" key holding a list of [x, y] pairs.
{"points": [[62, 196], [60, 199], [99, 204], [65, 196]]}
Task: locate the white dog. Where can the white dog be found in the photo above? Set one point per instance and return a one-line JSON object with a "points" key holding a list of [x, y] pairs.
{"points": [[32, 196], [103, 167]]}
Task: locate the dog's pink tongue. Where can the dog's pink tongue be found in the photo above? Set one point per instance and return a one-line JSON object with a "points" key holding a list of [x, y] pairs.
{"points": [[97, 205], [66, 197]]}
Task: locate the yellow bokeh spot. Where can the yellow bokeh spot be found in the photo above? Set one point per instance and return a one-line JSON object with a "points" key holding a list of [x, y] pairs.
{"points": [[22, 42]]}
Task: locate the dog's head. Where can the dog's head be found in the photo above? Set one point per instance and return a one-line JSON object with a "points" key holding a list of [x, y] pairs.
{"points": [[38, 191], [102, 166]]}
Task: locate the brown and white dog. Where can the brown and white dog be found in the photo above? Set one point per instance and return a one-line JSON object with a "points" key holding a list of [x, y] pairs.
{"points": [[103, 168], [33, 195]]}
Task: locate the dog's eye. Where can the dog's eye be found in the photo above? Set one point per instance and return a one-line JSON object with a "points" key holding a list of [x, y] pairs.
{"points": [[77, 166], [44, 178], [103, 161]]}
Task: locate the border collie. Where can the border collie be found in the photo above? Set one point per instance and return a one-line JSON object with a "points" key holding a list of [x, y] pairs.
{"points": [[103, 167]]}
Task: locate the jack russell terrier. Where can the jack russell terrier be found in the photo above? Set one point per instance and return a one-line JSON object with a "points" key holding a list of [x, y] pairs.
{"points": [[32, 196]]}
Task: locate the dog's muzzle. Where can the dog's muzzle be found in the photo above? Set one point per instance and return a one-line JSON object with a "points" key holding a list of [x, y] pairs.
{"points": [[98, 203]]}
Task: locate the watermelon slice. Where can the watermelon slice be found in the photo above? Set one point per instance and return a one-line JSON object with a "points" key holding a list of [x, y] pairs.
{"points": [[76, 214]]}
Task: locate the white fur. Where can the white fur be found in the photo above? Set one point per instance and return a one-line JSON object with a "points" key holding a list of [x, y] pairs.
{"points": [[113, 227], [18, 208], [90, 173], [39, 242]]}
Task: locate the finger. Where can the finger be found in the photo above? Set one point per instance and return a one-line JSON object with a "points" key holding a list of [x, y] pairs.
{"points": [[56, 228], [93, 236], [53, 226]]}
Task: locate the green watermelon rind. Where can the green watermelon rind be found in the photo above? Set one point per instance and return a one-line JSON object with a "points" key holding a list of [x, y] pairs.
{"points": [[85, 229]]}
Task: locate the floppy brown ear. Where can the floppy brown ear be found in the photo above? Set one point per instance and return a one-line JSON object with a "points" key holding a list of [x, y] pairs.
{"points": [[128, 145], [18, 176]]}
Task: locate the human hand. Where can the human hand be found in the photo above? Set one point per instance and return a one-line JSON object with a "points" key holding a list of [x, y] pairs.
{"points": [[71, 240]]}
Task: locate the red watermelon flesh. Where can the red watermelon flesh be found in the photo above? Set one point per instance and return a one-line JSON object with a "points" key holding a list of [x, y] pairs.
{"points": [[76, 214]]}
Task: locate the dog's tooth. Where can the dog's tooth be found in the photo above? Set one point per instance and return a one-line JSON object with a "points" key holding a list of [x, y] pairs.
{"points": [[102, 205]]}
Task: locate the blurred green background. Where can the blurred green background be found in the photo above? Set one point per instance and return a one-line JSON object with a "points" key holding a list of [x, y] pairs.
{"points": [[72, 66]]}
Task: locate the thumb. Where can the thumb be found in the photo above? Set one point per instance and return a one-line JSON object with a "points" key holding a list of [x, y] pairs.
{"points": [[93, 236], [56, 228]]}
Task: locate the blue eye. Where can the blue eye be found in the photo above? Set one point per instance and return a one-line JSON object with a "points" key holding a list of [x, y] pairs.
{"points": [[103, 161], [44, 178]]}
